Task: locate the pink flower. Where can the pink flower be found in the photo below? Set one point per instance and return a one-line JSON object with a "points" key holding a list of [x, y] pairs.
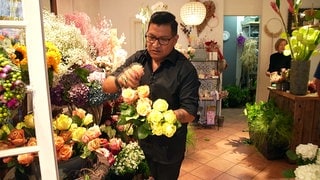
{"points": [[115, 145], [275, 7]]}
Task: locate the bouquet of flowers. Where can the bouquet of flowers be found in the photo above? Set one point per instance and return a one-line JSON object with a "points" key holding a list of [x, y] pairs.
{"points": [[74, 135], [129, 159], [12, 88], [307, 157], [142, 117], [189, 53]]}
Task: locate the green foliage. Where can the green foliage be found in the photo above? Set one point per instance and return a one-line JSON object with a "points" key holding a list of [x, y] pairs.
{"points": [[267, 123], [191, 137], [237, 97]]}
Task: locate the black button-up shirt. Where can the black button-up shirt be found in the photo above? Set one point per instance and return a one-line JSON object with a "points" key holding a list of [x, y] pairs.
{"points": [[176, 81]]}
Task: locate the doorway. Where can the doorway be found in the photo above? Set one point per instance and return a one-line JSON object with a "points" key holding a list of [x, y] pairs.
{"points": [[240, 49]]}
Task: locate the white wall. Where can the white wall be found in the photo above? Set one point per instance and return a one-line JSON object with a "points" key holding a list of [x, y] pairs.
{"points": [[122, 14]]}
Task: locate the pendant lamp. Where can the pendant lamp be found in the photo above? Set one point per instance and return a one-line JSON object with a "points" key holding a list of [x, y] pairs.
{"points": [[193, 13]]}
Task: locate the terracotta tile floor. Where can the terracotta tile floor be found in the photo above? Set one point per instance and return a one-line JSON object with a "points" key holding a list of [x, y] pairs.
{"points": [[221, 154]]}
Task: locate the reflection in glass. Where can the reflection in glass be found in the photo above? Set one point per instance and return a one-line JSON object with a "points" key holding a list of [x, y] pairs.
{"points": [[11, 10]]}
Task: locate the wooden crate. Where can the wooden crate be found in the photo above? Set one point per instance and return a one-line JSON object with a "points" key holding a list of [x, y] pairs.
{"points": [[306, 116]]}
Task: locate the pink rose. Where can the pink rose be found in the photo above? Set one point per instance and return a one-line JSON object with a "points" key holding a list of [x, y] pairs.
{"points": [[115, 145]]}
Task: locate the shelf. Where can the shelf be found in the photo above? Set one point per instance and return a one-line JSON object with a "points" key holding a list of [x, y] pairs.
{"points": [[211, 78], [12, 24]]}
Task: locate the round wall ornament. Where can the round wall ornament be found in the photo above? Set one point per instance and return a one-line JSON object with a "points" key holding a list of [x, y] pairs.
{"points": [[276, 27], [211, 9], [226, 35]]}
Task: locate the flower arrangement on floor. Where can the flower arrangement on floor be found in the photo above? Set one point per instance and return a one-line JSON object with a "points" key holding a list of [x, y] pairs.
{"points": [[307, 157], [142, 117]]}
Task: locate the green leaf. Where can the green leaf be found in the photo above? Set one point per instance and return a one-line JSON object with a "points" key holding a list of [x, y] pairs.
{"points": [[82, 73], [291, 155], [289, 173], [144, 130], [278, 3]]}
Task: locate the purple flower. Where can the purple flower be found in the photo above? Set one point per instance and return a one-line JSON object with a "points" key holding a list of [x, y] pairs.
{"points": [[56, 95], [241, 39], [13, 103], [79, 94]]}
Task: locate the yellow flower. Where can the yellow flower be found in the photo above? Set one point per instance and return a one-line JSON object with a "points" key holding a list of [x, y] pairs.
{"points": [[78, 133], [154, 117], [28, 120], [88, 119], [53, 56], [63, 122], [170, 116], [21, 55], [143, 107], [157, 129], [168, 129], [143, 91], [160, 105]]}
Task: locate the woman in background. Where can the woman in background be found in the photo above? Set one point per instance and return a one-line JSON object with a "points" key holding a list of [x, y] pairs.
{"points": [[278, 61]]}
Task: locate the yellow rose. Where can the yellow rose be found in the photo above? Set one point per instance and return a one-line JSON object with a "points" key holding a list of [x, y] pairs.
{"points": [[63, 122], [168, 129], [73, 127], [29, 120], [129, 95], [78, 133], [157, 130], [170, 117], [143, 91], [154, 117], [88, 119], [143, 107], [160, 105], [5, 128]]}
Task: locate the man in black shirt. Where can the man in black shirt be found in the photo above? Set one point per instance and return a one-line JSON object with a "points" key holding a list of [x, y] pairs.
{"points": [[170, 76]]}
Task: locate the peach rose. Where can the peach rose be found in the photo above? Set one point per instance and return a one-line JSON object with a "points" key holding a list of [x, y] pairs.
{"points": [[94, 144], [66, 135], [16, 137], [81, 113], [65, 152], [32, 142], [58, 142], [4, 146], [92, 133], [25, 159]]}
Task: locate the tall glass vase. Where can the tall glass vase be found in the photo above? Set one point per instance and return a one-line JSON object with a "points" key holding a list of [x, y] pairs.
{"points": [[299, 77]]}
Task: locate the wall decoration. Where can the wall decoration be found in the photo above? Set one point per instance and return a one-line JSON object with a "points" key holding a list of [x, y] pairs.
{"points": [[276, 26], [211, 9]]}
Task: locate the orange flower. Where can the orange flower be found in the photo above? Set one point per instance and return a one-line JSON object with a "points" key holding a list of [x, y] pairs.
{"points": [[16, 137], [25, 159], [65, 152], [66, 135], [59, 142], [32, 142]]}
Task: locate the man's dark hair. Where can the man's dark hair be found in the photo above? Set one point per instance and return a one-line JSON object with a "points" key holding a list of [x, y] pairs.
{"points": [[163, 18]]}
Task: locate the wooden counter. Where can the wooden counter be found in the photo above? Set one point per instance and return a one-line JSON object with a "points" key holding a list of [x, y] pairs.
{"points": [[306, 114]]}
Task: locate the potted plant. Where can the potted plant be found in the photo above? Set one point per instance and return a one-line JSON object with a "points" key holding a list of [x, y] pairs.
{"points": [[269, 128]]}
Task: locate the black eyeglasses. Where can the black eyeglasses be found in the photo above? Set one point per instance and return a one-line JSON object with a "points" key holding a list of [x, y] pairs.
{"points": [[153, 39]]}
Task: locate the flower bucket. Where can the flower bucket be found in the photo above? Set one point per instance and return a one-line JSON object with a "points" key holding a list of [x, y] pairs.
{"points": [[299, 77]]}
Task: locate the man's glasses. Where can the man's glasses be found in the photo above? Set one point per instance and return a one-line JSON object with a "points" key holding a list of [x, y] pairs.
{"points": [[162, 41]]}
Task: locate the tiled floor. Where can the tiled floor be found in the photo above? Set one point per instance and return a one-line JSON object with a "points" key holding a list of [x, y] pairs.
{"points": [[221, 154]]}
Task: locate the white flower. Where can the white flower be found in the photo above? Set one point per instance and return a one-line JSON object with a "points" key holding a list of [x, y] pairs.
{"points": [[307, 172], [307, 151]]}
